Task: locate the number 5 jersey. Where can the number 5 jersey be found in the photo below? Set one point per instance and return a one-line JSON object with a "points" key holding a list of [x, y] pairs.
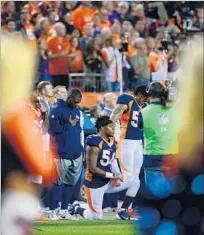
{"points": [[129, 119], [107, 153]]}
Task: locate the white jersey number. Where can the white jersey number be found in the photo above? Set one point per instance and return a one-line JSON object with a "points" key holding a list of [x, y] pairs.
{"points": [[134, 121], [105, 161]]}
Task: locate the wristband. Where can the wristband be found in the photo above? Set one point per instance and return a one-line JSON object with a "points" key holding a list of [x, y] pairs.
{"points": [[109, 175]]}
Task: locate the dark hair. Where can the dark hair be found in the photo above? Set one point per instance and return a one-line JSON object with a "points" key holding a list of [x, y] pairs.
{"points": [[109, 42], [10, 19], [93, 110], [141, 89], [76, 29], [102, 121], [75, 92], [90, 47], [42, 85], [78, 47], [157, 90]]}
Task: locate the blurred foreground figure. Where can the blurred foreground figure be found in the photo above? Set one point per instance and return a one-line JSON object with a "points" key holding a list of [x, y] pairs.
{"points": [[191, 108], [19, 143]]}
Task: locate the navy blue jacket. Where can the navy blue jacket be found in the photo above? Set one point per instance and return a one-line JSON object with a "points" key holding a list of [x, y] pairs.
{"points": [[67, 137]]}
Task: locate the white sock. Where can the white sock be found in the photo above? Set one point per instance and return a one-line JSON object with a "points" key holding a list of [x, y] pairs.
{"points": [[119, 205]]}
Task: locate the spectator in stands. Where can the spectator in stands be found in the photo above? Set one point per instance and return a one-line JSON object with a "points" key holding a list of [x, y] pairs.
{"points": [[127, 27], [66, 127], [67, 20], [116, 29], [88, 33], [120, 12], [52, 19], [140, 27], [9, 11], [173, 61], [44, 32], [112, 64], [27, 28], [76, 61], [10, 26], [97, 23], [44, 7], [58, 49], [93, 58], [106, 33], [140, 63], [109, 6], [93, 61], [76, 33], [104, 18], [154, 56], [83, 14], [66, 7], [43, 62]]}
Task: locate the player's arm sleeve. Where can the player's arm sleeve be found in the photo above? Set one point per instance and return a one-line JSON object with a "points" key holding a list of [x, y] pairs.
{"points": [[92, 153], [140, 120], [56, 124], [121, 107]]}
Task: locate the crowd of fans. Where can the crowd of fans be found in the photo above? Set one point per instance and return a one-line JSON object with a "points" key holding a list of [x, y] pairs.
{"points": [[75, 37]]}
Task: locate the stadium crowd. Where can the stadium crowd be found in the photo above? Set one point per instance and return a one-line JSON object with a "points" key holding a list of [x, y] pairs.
{"points": [[120, 40], [113, 44]]}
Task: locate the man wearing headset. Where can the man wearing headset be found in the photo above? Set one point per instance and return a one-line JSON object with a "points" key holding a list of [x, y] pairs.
{"points": [[160, 127]]}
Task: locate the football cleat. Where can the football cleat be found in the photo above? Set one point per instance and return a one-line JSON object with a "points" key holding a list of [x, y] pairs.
{"points": [[67, 216], [124, 215], [133, 214]]}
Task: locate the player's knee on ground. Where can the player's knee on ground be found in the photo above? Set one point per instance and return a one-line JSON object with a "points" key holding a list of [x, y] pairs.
{"points": [[90, 215]]}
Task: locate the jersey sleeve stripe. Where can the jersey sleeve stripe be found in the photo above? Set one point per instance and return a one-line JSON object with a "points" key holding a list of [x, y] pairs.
{"points": [[125, 121], [88, 175]]}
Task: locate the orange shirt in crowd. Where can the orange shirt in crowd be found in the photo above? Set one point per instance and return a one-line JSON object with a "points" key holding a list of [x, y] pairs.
{"points": [[58, 66], [117, 36], [154, 61], [32, 8], [49, 34], [105, 24], [76, 63], [29, 30], [131, 51], [82, 15]]}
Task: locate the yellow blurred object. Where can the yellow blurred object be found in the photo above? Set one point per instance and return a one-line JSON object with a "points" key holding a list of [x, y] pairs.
{"points": [[191, 106], [18, 63], [18, 67]]}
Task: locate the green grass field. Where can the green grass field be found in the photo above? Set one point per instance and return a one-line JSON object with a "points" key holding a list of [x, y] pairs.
{"points": [[84, 227]]}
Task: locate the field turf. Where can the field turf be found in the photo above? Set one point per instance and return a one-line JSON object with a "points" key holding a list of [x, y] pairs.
{"points": [[84, 227]]}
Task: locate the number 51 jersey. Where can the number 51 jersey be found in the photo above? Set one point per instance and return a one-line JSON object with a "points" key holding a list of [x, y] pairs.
{"points": [[106, 155], [129, 119]]}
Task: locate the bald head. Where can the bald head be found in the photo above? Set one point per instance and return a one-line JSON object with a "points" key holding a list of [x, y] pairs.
{"points": [[109, 100]]}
